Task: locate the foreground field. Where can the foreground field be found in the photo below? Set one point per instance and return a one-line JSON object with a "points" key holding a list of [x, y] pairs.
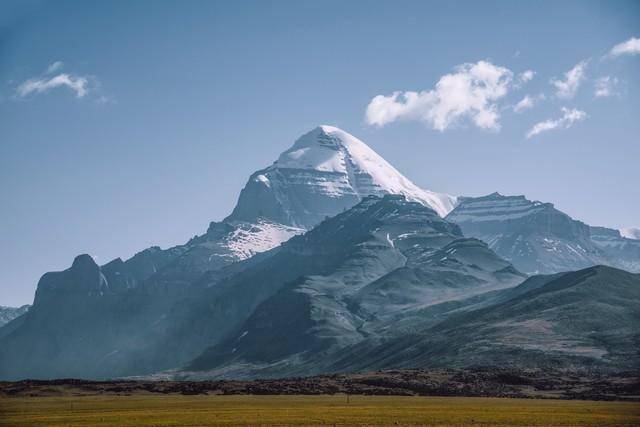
{"points": [[176, 410]]}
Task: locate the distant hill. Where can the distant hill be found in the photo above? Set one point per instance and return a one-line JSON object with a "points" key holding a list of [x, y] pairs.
{"points": [[538, 238]]}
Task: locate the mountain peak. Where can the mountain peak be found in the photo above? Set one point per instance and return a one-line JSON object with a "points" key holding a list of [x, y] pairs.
{"points": [[326, 171], [329, 128]]}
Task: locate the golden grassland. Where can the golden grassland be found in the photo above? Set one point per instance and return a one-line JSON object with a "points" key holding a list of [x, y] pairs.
{"points": [[178, 410]]}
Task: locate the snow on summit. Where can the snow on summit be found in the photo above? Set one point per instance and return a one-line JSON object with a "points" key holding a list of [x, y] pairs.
{"points": [[330, 149], [325, 172]]}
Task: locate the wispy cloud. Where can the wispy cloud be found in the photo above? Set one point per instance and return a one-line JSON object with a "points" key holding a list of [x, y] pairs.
{"points": [[470, 92], [629, 47], [527, 102], [44, 84], [569, 117], [526, 76], [567, 87], [605, 87], [80, 85]]}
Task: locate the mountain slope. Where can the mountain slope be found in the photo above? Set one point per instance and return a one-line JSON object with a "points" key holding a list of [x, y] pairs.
{"points": [[534, 236], [581, 319], [393, 257], [223, 244], [570, 321]]}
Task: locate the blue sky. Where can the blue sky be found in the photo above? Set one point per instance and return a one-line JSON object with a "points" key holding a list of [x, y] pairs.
{"points": [[130, 124]]}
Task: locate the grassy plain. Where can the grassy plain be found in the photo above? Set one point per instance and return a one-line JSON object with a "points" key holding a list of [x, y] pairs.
{"points": [[178, 410]]}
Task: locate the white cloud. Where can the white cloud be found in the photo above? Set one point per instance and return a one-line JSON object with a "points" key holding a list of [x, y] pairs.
{"points": [[526, 76], [470, 92], [56, 66], [569, 117], [44, 84], [630, 47], [527, 102], [568, 87], [81, 85], [605, 86]]}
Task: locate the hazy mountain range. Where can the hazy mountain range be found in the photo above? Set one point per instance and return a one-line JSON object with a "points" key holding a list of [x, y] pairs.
{"points": [[334, 261]]}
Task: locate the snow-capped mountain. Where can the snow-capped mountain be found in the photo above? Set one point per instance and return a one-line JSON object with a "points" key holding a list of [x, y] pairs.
{"points": [[325, 172], [331, 261]]}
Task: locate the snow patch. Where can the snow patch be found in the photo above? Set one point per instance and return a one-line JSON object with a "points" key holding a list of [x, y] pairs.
{"points": [[249, 239], [263, 179]]}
